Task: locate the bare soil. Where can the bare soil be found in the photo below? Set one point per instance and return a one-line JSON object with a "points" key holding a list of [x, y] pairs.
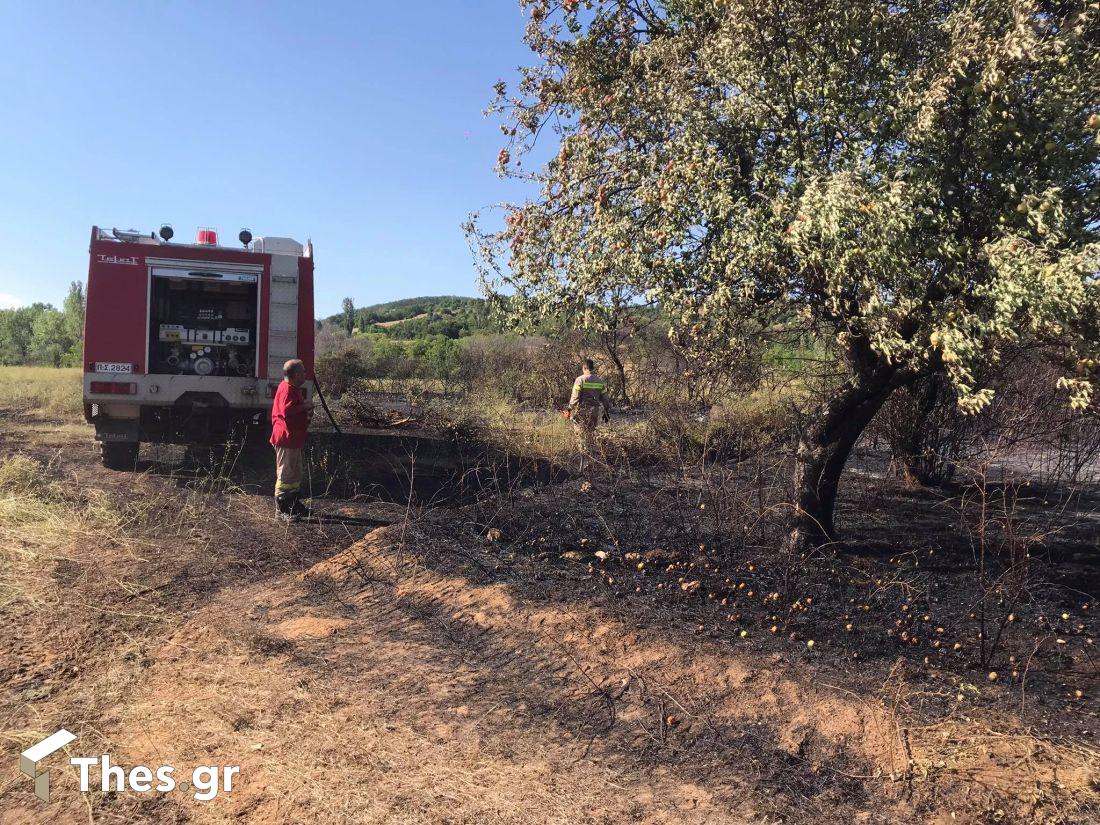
{"points": [[585, 652]]}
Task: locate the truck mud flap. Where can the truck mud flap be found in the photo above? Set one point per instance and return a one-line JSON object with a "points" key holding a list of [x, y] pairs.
{"points": [[117, 429]]}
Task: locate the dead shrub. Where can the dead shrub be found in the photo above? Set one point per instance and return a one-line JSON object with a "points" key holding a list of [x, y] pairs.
{"points": [[925, 430], [930, 439]]}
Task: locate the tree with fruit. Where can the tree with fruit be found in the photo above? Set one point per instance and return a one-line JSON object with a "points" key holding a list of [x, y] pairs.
{"points": [[914, 183]]}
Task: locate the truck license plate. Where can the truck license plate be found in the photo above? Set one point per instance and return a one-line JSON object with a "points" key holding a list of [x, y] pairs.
{"points": [[113, 367]]}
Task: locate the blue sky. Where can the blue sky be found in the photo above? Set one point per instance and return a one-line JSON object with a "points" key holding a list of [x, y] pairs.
{"points": [[357, 124]]}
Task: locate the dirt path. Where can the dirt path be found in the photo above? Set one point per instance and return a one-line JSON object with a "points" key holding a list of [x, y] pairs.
{"points": [[416, 693], [396, 674]]}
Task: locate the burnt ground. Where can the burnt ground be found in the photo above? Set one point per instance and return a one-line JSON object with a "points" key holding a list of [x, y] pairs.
{"points": [[598, 649]]}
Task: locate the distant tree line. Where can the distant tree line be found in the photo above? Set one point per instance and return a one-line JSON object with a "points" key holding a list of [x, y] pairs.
{"points": [[449, 316], [431, 337], [43, 335], [342, 359]]}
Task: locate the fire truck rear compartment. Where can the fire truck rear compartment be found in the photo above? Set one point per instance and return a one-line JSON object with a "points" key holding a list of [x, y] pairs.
{"points": [[203, 324]]}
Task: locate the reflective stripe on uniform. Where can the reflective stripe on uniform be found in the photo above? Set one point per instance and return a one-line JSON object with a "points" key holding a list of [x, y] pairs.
{"points": [[592, 386]]}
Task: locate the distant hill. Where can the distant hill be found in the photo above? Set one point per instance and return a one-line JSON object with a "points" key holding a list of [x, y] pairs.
{"points": [[453, 316]]}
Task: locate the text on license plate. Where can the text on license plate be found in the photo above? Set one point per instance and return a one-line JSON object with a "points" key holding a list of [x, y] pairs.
{"points": [[112, 366]]}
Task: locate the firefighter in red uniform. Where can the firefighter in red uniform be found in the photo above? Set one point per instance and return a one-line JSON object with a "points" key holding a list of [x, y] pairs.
{"points": [[290, 417]]}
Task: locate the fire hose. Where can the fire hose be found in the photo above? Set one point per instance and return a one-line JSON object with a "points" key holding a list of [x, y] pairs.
{"points": [[324, 405]]}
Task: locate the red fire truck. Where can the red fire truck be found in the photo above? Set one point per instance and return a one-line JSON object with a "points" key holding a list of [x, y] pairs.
{"points": [[185, 343]]}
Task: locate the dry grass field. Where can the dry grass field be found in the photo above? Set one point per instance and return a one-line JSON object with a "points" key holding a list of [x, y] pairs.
{"points": [[594, 650]]}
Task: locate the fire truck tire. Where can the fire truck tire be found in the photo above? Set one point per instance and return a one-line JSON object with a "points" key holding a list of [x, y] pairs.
{"points": [[120, 455]]}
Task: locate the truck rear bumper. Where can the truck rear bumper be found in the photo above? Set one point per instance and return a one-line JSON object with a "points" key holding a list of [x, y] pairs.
{"points": [[168, 390], [182, 424], [183, 409]]}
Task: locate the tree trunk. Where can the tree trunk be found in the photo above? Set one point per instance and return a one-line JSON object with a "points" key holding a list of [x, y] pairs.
{"points": [[823, 449], [613, 352]]}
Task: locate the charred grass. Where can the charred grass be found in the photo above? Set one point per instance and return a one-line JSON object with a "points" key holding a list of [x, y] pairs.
{"points": [[969, 612]]}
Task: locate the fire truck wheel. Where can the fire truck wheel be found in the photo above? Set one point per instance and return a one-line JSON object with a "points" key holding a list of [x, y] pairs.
{"points": [[120, 455]]}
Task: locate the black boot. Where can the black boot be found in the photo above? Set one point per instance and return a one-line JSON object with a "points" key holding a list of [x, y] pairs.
{"points": [[284, 503], [297, 509]]}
